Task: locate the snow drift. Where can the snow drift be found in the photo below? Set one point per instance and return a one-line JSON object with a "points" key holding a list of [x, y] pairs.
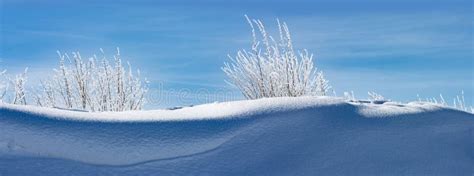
{"points": [[274, 136]]}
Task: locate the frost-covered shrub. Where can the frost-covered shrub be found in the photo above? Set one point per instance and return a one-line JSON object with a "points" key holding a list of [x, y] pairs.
{"points": [[93, 85], [3, 85], [273, 68], [16, 94], [20, 92]]}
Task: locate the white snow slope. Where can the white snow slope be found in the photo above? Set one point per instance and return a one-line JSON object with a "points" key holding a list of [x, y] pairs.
{"points": [[277, 136]]}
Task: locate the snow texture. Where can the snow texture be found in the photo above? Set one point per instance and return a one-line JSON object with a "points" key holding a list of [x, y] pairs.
{"points": [[272, 136]]}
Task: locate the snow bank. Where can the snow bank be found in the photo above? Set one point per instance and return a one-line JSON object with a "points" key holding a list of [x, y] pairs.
{"points": [[276, 136], [224, 110]]}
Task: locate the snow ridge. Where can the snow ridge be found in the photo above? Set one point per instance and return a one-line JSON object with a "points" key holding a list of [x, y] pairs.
{"points": [[225, 110]]}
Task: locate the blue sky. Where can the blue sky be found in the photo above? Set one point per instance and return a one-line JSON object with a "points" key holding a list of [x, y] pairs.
{"points": [[397, 48]]}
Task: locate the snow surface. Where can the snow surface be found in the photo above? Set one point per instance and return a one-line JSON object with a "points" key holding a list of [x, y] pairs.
{"points": [[274, 136]]}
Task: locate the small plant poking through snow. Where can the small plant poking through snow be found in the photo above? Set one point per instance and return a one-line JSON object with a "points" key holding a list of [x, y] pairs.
{"points": [[93, 85], [273, 68], [376, 98], [458, 102], [349, 96]]}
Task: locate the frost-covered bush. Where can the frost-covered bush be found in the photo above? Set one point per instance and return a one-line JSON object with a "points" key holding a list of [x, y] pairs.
{"points": [[273, 68], [20, 89], [3, 85], [93, 84], [13, 88]]}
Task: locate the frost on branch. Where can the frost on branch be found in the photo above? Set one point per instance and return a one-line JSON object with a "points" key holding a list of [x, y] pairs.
{"points": [[93, 85], [3, 85], [322, 84], [20, 93], [273, 68]]}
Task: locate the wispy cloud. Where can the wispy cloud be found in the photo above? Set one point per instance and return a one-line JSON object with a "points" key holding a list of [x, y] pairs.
{"points": [[380, 34]]}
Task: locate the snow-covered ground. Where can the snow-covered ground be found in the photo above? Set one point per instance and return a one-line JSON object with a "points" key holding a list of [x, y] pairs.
{"points": [[273, 136]]}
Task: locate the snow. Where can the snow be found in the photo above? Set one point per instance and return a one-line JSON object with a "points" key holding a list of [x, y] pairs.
{"points": [[272, 136], [201, 112]]}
